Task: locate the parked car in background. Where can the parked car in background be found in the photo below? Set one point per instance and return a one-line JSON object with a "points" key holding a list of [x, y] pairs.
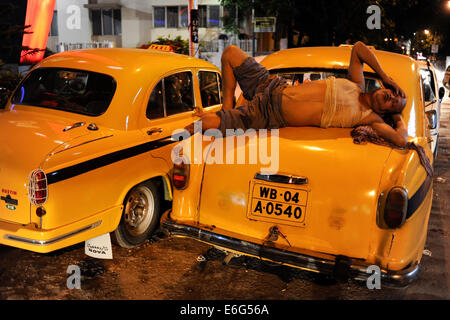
{"points": [[446, 80], [432, 97], [333, 206], [86, 142]]}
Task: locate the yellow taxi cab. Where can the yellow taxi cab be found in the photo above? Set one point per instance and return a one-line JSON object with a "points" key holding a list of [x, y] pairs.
{"points": [[446, 80], [86, 141], [332, 206], [432, 96]]}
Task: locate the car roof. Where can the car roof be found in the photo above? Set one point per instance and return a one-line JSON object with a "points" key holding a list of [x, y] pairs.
{"points": [[136, 71], [116, 60], [330, 58]]}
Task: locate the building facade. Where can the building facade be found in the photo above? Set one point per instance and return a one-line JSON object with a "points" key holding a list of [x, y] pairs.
{"points": [[128, 23]]}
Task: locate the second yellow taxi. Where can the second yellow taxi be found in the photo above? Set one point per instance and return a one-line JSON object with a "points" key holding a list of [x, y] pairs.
{"points": [[86, 141]]}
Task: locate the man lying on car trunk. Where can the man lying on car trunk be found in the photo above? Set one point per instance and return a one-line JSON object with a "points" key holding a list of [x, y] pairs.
{"points": [[332, 102]]}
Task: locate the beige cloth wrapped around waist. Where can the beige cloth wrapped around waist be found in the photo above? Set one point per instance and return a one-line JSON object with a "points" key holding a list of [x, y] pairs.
{"points": [[342, 108]]}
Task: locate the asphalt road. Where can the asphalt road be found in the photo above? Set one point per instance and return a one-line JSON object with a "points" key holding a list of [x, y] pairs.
{"points": [[176, 268]]}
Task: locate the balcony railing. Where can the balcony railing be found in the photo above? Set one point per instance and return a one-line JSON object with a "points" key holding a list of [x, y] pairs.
{"points": [[62, 46], [219, 45]]}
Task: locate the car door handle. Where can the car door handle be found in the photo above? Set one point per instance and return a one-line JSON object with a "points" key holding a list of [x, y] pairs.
{"points": [[154, 130], [73, 126]]}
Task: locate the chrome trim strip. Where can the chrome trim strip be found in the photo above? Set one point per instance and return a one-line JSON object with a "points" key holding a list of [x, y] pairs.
{"points": [[77, 145], [51, 241], [282, 178], [356, 268]]}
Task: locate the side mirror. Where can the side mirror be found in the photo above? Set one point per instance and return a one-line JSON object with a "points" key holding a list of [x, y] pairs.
{"points": [[432, 119], [441, 93]]}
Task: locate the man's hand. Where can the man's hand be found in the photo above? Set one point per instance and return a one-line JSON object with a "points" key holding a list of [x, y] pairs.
{"points": [[388, 82], [209, 120]]}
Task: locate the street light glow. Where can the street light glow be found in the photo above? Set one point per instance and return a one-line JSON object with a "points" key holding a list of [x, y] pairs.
{"points": [[448, 4], [426, 31]]}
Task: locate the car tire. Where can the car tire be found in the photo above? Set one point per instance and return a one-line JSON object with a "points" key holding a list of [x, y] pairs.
{"points": [[140, 216]]}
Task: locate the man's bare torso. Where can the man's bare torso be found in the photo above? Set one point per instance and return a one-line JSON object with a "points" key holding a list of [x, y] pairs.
{"points": [[302, 105]]}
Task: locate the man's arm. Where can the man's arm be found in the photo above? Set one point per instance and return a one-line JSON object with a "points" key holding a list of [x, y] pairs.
{"points": [[362, 54], [398, 136]]}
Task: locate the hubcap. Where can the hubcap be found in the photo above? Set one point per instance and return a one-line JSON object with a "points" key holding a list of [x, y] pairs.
{"points": [[139, 210]]}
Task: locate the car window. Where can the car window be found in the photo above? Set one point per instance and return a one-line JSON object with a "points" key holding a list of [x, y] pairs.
{"points": [[428, 87], [298, 77], [179, 93], [155, 108], [69, 90], [172, 95], [210, 88]]}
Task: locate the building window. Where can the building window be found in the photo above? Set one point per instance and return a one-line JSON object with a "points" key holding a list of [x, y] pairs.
{"points": [[213, 16], [54, 25], [202, 16], [209, 16], [184, 17], [106, 22], [178, 16], [172, 17], [160, 17]]}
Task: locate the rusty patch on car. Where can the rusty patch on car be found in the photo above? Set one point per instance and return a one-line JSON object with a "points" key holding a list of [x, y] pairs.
{"points": [[336, 219]]}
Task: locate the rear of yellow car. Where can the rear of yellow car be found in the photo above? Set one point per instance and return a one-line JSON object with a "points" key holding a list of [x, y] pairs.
{"points": [[331, 206], [33, 214]]}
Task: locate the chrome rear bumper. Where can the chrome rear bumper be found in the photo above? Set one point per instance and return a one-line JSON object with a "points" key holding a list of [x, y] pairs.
{"points": [[338, 266]]}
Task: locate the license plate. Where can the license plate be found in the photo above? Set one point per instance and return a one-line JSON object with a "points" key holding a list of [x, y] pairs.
{"points": [[275, 203]]}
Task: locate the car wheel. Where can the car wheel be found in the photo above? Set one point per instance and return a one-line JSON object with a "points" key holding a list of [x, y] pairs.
{"points": [[140, 216]]}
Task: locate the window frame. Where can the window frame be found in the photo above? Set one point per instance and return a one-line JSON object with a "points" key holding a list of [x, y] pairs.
{"points": [[208, 15], [165, 17], [194, 101], [179, 19], [342, 72], [113, 27], [432, 85], [65, 110], [177, 14], [219, 81]]}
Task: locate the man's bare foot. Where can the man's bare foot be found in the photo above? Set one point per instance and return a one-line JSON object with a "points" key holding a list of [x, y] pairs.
{"points": [[208, 120]]}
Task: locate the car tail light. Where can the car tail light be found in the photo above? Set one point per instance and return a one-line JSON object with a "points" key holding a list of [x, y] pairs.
{"points": [[180, 175], [37, 187], [395, 208]]}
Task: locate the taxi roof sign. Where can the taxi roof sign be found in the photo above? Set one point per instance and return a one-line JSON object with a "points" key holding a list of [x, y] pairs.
{"points": [[161, 47]]}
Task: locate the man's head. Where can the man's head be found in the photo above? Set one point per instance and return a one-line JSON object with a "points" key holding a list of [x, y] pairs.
{"points": [[385, 101]]}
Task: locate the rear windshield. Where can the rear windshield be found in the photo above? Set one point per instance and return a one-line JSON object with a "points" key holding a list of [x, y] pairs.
{"points": [[295, 77], [77, 91]]}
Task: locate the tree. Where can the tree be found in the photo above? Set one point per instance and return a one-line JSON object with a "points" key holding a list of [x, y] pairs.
{"points": [[333, 22]]}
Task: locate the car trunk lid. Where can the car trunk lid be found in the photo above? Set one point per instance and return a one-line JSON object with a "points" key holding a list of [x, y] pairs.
{"points": [[26, 138], [326, 190]]}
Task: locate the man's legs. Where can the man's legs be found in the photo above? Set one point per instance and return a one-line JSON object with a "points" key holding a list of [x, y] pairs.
{"points": [[232, 57], [249, 76]]}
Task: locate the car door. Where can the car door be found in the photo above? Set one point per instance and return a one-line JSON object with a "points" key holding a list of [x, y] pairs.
{"points": [[431, 104], [171, 106]]}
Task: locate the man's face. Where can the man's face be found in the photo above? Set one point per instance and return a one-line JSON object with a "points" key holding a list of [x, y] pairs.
{"points": [[386, 101]]}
